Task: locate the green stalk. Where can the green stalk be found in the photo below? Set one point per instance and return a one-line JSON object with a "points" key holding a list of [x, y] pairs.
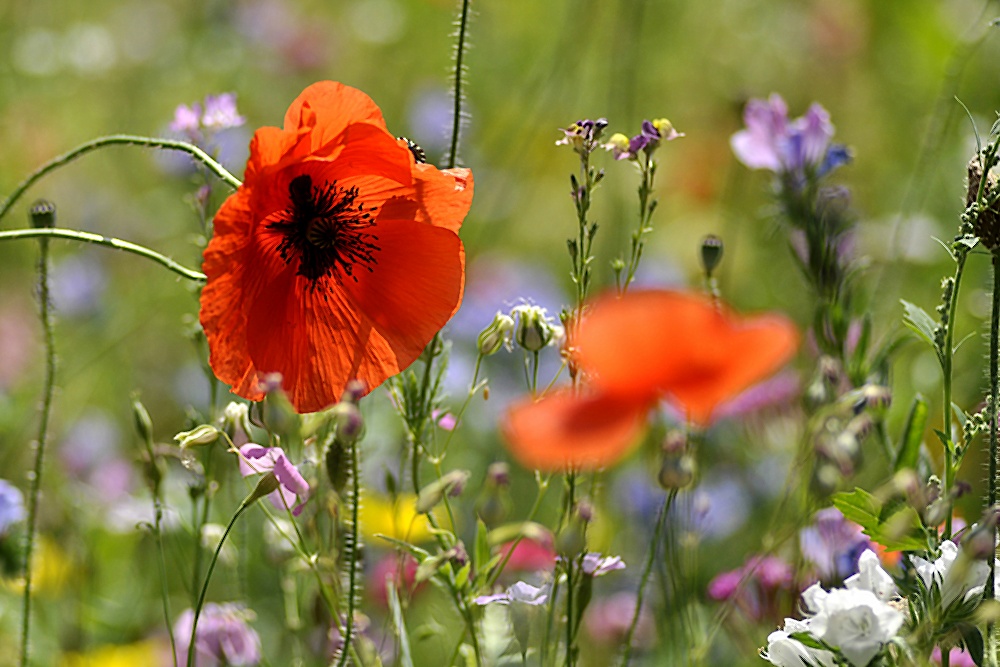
{"points": [[192, 645], [109, 242], [118, 139], [351, 545], [661, 520], [456, 120], [34, 493], [992, 412], [946, 369], [645, 215]]}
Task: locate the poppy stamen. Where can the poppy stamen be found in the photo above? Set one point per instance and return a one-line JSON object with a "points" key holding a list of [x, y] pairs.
{"points": [[326, 229]]}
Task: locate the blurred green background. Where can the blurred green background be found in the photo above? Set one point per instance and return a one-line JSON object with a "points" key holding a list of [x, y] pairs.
{"points": [[888, 72]]}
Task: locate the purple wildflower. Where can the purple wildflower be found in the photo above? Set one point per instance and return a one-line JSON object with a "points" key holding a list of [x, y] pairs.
{"points": [[596, 565], [519, 592], [224, 637], [220, 112], [651, 135], [772, 141], [187, 121], [293, 487], [583, 135], [833, 545], [755, 587], [11, 505]]}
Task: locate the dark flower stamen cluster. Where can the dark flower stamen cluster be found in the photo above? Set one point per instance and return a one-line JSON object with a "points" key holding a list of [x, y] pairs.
{"points": [[325, 230]]}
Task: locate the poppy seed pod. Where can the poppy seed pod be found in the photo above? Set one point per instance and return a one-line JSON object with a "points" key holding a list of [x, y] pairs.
{"points": [[495, 335], [711, 253], [43, 214]]}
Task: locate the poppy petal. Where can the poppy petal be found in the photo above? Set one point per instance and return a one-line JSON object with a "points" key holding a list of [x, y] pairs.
{"points": [[222, 314], [684, 345], [563, 430], [416, 286], [327, 107]]}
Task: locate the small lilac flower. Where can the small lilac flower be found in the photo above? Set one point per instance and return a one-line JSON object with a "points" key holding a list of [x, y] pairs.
{"points": [[223, 637], [255, 459], [519, 592], [220, 112], [187, 120], [444, 419], [596, 566], [771, 141], [833, 545], [11, 506]]}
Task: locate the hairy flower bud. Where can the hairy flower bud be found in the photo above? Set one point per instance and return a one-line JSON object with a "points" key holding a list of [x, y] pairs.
{"points": [[496, 335]]}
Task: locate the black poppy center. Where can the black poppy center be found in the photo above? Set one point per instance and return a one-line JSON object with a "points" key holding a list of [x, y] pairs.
{"points": [[326, 229]]}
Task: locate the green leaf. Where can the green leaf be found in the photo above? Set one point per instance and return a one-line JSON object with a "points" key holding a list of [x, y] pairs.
{"points": [[405, 659], [481, 552], [913, 434], [917, 319], [463, 575], [973, 640], [898, 530]]}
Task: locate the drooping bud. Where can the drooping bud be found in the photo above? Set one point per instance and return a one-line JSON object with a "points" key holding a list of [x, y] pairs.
{"points": [[206, 434], [711, 253], [451, 483], [496, 335]]}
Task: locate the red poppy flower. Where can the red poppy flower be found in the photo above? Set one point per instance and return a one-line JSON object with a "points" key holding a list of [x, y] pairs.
{"points": [[338, 258], [636, 350]]}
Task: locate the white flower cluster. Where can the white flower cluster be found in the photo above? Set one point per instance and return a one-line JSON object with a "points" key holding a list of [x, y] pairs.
{"points": [[958, 575], [856, 620]]}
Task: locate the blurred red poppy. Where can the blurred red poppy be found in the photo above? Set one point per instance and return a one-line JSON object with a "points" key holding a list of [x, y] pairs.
{"points": [[337, 259], [636, 350]]}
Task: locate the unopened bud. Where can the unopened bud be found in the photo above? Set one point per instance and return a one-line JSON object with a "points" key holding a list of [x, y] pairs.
{"points": [[355, 391], [143, 424], [451, 483], [981, 541], [265, 486], [495, 335], [236, 416], [498, 474], [348, 419], [206, 434], [43, 214], [677, 472], [711, 253], [337, 464], [534, 330]]}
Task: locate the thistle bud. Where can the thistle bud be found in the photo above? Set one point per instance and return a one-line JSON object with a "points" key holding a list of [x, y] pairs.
{"points": [[711, 253], [206, 434], [496, 335]]}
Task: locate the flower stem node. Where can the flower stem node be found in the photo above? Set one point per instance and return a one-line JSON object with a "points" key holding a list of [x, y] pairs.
{"points": [[496, 335], [206, 434], [43, 214], [451, 484]]}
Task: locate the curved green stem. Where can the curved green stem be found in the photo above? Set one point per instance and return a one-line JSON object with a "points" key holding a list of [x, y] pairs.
{"points": [[109, 242], [43, 426], [351, 550], [118, 139], [192, 645], [456, 120], [661, 521]]}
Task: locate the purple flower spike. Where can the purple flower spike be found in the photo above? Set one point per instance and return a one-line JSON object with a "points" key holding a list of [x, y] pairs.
{"points": [[770, 141], [255, 459]]}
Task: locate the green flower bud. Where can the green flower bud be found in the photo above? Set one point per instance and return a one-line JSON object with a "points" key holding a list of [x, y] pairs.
{"points": [[265, 486], [451, 483], [711, 253], [236, 416], [495, 335], [535, 329], [43, 214], [206, 434], [143, 424]]}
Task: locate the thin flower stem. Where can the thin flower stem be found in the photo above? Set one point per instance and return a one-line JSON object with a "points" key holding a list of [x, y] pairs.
{"points": [[992, 412], [192, 645], [474, 388], [118, 139], [34, 493], [543, 485], [947, 354], [162, 564], [661, 521], [97, 239], [456, 120], [199, 524], [646, 207], [351, 546]]}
